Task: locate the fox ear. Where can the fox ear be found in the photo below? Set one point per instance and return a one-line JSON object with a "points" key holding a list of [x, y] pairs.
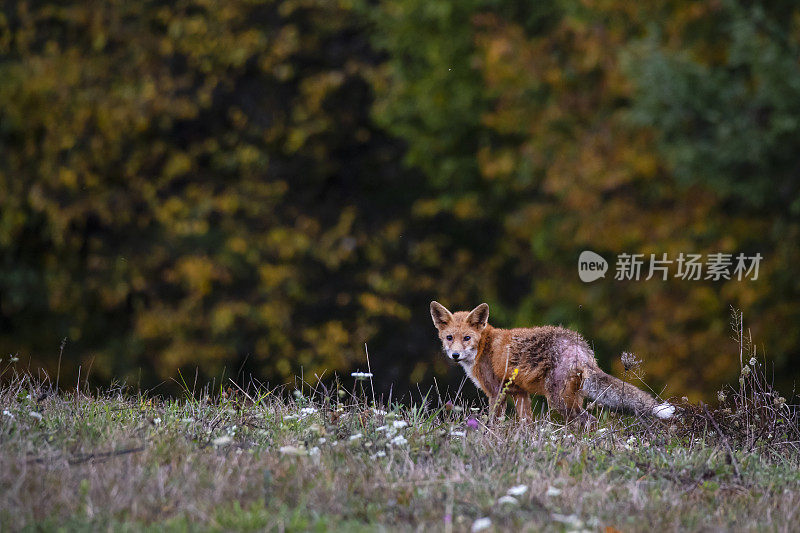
{"points": [[440, 315], [478, 317]]}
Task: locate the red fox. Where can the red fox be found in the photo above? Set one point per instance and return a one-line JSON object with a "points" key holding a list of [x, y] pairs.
{"points": [[554, 362]]}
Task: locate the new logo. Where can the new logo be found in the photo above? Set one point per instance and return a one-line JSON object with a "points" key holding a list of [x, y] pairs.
{"points": [[591, 266]]}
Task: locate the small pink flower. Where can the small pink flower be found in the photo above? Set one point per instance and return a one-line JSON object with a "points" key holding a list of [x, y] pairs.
{"points": [[472, 423]]}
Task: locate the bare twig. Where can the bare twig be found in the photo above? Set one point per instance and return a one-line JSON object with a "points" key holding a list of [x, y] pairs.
{"points": [[722, 436]]}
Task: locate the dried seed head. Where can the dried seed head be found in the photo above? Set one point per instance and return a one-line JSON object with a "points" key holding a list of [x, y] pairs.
{"points": [[630, 362]]}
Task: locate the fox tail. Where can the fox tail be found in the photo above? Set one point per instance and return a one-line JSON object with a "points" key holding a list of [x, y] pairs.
{"points": [[620, 396]]}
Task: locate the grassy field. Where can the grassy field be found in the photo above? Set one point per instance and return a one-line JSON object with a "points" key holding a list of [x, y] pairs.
{"points": [[317, 460], [333, 458]]}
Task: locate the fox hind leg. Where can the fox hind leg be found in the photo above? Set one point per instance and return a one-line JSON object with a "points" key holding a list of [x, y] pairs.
{"points": [[569, 401]]}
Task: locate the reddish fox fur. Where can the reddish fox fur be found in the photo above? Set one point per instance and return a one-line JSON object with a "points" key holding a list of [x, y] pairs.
{"points": [[551, 361]]}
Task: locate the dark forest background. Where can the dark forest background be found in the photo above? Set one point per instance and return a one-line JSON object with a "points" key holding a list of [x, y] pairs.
{"points": [[266, 186]]}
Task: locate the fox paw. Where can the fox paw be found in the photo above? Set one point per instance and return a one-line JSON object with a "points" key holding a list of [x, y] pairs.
{"points": [[584, 421]]}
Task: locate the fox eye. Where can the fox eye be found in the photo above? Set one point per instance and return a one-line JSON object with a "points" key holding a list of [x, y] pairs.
{"points": [[466, 337], [449, 337]]}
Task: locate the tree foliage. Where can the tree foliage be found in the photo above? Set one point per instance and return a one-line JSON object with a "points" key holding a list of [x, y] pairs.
{"points": [[194, 184], [588, 139], [267, 186]]}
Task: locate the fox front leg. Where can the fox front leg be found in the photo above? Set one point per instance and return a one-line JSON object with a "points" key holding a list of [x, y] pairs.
{"points": [[522, 404], [497, 405]]}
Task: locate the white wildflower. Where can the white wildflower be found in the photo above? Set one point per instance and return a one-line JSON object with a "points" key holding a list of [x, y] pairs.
{"points": [[456, 433], [631, 440], [553, 491], [507, 499], [157, 420], [361, 375], [305, 411], [593, 523], [481, 523], [518, 490], [399, 441], [313, 451], [379, 412], [753, 361], [297, 394], [293, 450], [390, 431], [570, 520], [222, 441], [355, 437], [35, 415], [7, 413], [322, 440], [379, 454], [290, 417], [397, 424]]}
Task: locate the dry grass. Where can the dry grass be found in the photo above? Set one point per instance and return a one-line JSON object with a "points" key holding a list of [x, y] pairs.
{"points": [[257, 459]]}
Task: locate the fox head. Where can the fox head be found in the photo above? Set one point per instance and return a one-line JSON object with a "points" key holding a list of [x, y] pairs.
{"points": [[460, 332]]}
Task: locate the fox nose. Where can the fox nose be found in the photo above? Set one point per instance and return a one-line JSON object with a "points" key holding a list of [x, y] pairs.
{"points": [[455, 356]]}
